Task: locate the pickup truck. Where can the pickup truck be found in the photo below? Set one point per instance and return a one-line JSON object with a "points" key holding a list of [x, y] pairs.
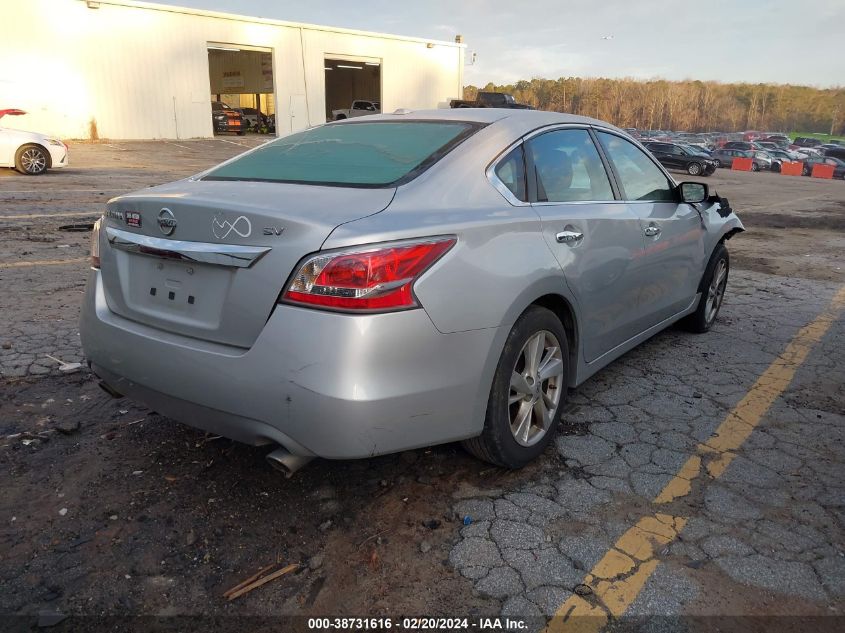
{"points": [[359, 108], [490, 100]]}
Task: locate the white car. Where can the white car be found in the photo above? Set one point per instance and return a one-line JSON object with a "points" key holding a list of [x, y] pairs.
{"points": [[30, 153], [359, 108]]}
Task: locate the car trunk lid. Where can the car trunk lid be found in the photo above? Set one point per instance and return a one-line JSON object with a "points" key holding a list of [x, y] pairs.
{"points": [[209, 259]]}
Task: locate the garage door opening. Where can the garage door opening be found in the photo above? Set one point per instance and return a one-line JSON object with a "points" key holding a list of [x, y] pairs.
{"points": [[241, 82], [353, 88]]}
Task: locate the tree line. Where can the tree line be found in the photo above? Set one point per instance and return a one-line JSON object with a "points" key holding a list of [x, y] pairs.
{"points": [[692, 106]]}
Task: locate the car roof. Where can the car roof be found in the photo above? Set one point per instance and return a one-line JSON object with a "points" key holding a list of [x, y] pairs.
{"points": [[527, 119]]}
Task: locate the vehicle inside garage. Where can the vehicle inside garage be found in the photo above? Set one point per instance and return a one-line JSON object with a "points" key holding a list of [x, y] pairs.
{"points": [[349, 80], [242, 78]]}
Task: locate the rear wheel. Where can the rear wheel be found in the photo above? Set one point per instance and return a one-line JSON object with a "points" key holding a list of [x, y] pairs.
{"points": [[31, 160], [755, 167], [528, 391], [805, 170], [694, 169], [713, 285]]}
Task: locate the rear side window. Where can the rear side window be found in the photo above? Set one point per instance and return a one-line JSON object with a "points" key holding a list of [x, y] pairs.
{"points": [[511, 171], [640, 178], [567, 167], [372, 154]]}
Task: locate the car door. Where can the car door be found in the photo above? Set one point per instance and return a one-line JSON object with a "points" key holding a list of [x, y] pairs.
{"points": [[678, 157], [595, 237], [659, 151], [673, 231]]}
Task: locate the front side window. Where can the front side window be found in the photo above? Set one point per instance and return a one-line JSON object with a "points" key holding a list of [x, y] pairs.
{"points": [[372, 154], [639, 177], [567, 167], [511, 171]]}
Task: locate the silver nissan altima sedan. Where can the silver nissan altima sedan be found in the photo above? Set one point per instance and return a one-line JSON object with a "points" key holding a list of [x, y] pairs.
{"points": [[397, 281]]}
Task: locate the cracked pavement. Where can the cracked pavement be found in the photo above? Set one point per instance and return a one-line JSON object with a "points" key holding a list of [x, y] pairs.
{"points": [[773, 522]]}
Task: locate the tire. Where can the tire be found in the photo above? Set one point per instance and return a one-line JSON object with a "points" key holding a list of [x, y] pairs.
{"points": [[694, 169], [718, 162], [522, 420], [32, 160], [805, 171], [340, 117], [712, 288], [755, 167], [240, 132]]}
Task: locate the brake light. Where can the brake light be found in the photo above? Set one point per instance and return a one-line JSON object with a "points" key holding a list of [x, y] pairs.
{"points": [[95, 244], [374, 279]]}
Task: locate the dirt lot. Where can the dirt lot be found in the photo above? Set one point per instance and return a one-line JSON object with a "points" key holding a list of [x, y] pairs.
{"points": [[110, 509]]}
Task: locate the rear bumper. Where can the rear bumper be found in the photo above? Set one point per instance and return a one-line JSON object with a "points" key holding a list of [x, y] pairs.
{"points": [[318, 383], [230, 125]]}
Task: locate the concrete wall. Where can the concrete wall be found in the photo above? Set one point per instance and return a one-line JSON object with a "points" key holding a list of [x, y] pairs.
{"points": [[142, 71]]}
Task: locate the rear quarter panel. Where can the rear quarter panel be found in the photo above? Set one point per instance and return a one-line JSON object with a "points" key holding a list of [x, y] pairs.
{"points": [[500, 259]]}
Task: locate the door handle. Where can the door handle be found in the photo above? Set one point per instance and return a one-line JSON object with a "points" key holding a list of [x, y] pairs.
{"points": [[569, 237], [651, 231]]}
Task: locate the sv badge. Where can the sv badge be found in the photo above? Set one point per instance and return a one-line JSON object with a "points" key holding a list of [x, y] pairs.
{"points": [[273, 230]]}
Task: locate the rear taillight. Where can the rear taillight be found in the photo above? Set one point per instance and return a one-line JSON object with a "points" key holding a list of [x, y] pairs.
{"points": [[374, 279], [95, 244]]}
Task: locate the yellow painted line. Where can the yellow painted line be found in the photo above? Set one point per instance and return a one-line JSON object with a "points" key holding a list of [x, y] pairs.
{"points": [[747, 414], [617, 579], [45, 262], [681, 484]]}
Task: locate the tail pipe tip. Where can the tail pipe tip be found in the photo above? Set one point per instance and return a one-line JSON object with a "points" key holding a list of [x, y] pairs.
{"points": [[283, 460]]}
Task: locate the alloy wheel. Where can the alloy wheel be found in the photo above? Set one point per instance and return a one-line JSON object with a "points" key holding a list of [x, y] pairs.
{"points": [[535, 388], [716, 291], [694, 169], [33, 161]]}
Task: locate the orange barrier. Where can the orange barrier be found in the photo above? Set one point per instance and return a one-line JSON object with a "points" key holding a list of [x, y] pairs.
{"points": [[822, 171], [791, 169], [742, 164]]}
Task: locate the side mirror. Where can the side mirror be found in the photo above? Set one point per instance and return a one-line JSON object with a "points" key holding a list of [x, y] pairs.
{"points": [[693, 192]]}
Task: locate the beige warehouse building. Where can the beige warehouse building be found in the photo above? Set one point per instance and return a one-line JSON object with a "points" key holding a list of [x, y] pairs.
{"points": [[133, 70]]}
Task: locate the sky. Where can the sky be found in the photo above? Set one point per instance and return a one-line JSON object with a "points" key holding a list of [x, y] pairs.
{"points": [[756, 41]]}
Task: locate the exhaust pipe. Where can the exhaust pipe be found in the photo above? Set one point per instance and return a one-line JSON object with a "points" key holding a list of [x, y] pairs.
{"points": [[282, 459], [109, 390]]}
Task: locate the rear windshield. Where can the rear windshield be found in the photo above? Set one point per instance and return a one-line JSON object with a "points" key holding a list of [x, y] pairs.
{"points": [[372, 154]]}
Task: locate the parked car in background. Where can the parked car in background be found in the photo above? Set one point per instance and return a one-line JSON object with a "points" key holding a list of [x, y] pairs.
{"points": [[676, 156], [225, 119], [836, 152], [806, 141], [359, 107], [837, 163], [330, 289], [763, 159], [742, 145], [253, 118], [31, 153], [725, 158], [780, 140], [780, 156], [490, 100]]}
